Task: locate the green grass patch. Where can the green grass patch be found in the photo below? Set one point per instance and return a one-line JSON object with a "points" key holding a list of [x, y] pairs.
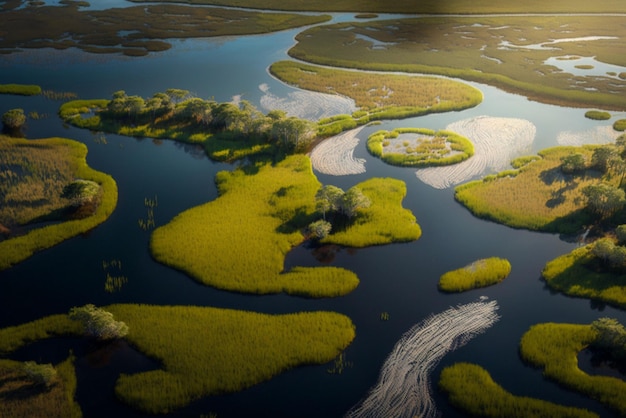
{"points": [[384, 221], [480, 273], [597, 115], [574, 275], [209, 351], [20, 89], [419, 147], [247, 231], [537, 196], [68, 157], [555, 347], [470, 388], [620, 125]]}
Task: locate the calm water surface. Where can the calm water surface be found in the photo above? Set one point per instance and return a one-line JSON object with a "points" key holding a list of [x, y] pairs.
{"points": [[400, 279]]}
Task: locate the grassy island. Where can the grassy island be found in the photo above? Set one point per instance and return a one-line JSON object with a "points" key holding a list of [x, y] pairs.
{"points": [[378, 96], [204, 351], [416, 147], [496, 50], [480, 273], [36, 178], [470, 388], [554, 348], [20, 89]]}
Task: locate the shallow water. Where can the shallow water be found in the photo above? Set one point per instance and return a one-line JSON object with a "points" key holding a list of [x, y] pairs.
{"points": [[399, 279]]}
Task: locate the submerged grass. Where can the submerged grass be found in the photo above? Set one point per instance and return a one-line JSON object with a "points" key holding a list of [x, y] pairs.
{"points": [[384, 221], [14, 250], [555, 347], [471, 389], [238, 241], [480, 273]]}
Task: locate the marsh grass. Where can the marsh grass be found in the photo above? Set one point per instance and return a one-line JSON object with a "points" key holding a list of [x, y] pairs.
{"points": [[468, 48], [383, 222], [574, 275], [102, 31], [20, 89], [537, 196], [378, 96], [18, 248], [480, 273], [209, 351], [425, 147], [597, 115], [620, 125], [555, 347], [247, 231], [21, 398], [470, 388]]}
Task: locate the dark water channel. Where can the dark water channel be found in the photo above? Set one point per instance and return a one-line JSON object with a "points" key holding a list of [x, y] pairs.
{"points": [[399, 279]]}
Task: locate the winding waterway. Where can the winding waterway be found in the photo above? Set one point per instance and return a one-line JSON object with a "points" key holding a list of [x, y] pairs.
{"points": [[400, 279]]}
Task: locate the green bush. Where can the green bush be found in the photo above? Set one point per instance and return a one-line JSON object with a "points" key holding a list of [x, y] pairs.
{"points": [[480, 273], [98, 323], [620, 125], [40, 374]]}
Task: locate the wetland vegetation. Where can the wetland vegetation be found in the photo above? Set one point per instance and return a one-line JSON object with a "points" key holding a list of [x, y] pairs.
{"points": [[480, 273]]}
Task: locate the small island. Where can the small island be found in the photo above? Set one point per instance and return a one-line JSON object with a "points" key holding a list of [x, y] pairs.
{"points": [[480, 273]]}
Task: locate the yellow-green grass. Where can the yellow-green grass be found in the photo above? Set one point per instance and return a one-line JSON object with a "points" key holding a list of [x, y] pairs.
{"points": [[470, 388], [536, 196], [426, 148], [469, 48], [597, 115], [102, 31], [380, 96], [620, 125], [20, 89], [19, 248], [208, 351], [480, 273], [384, 221], [19, 397], [555, 347], [203, 351], [571, 274], [424, 6], [239, 241]]}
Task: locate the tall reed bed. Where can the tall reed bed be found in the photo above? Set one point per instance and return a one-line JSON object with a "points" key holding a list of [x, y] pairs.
{"points": [[571, 274], [20, 89], [554, 348], [208, 351], [14, 250], [480, 273], [470, 388], [384, 221], [537, 196], [238, 241]]}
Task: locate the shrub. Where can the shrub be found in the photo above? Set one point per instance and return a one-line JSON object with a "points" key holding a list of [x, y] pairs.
{"points": [[320, 229], [40, 374], [620, 125], [14, 118], [98, 323]]}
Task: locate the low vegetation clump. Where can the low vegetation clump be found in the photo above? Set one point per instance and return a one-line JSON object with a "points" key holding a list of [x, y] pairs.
{"points": [[35, 390], [610, 340], [480, 273], [34, 175], [597, 115], [470, 388], [383, 221], [20, 89], [620, 125], [378, 96], [555, 347], [13, 119], [247, 231], [98, 323], [228, 131], [415, 147]]}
